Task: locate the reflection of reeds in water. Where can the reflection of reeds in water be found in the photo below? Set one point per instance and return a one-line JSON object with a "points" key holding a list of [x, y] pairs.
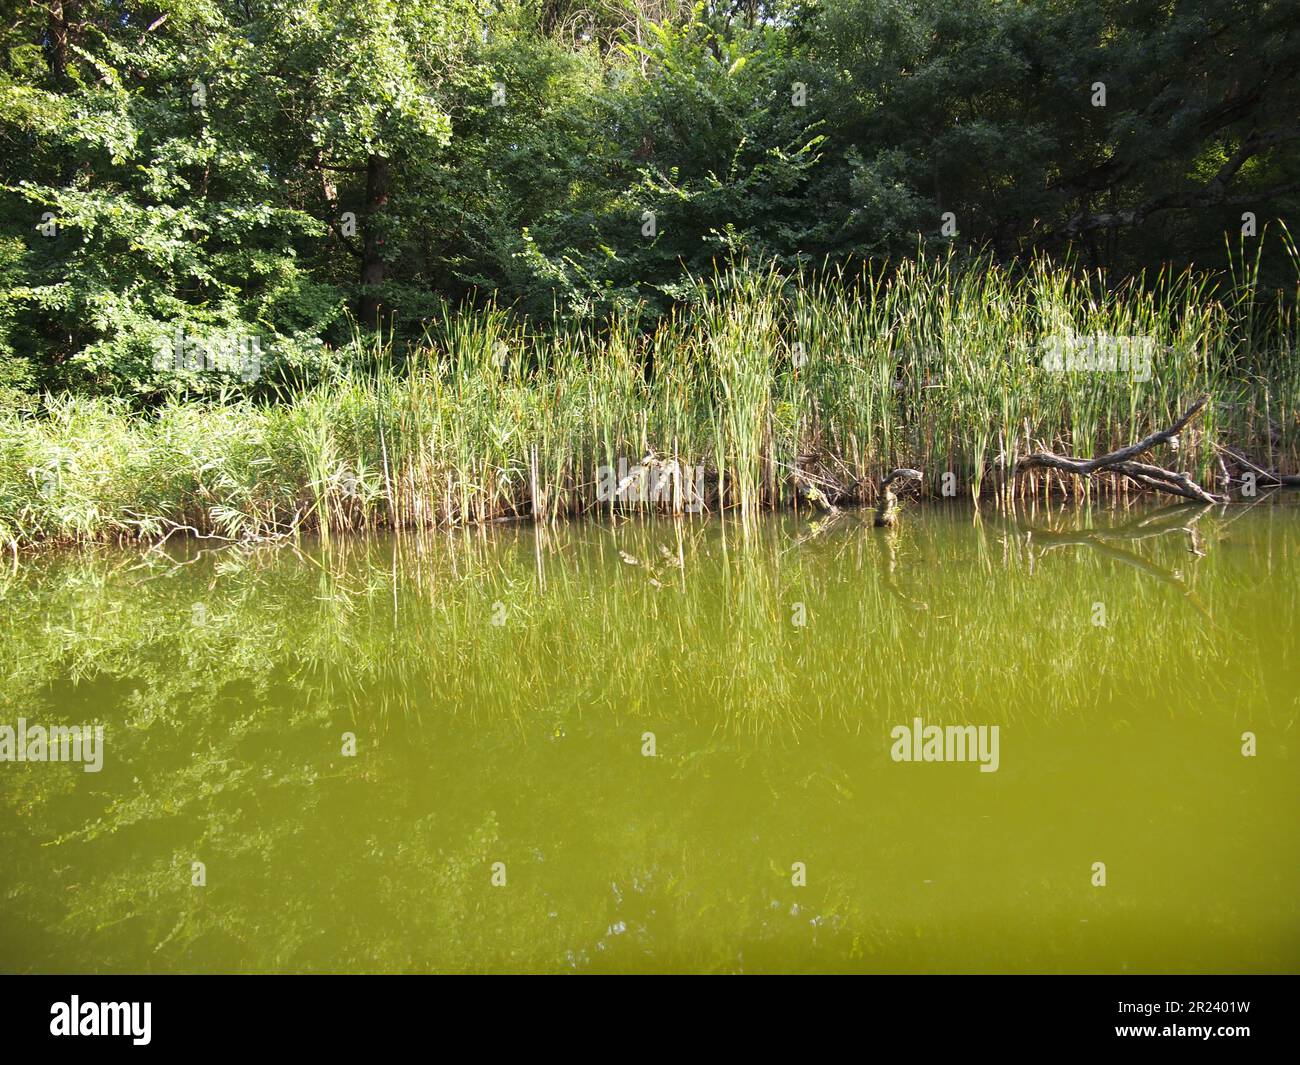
{"points": [[964, 622], [520, 743], [931, 365]]}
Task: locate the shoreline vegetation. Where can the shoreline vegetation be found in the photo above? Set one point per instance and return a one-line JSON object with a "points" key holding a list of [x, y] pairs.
{"points": [[781, 390]]}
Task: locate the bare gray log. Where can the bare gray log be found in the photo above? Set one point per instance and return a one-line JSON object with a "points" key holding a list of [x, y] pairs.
{"points": [[1123, 462]]}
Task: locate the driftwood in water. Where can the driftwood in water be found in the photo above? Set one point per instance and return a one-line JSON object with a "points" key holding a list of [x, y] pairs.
{"points": [[820, 490], [887, 510], [1124, 462], [1263, 478], [813, 481]]}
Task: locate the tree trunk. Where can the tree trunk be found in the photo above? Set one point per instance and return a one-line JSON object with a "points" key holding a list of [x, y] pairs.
{"points": [[62, 12], [372, 264]]}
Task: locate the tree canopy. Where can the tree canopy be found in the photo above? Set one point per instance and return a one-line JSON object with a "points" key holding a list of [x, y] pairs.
{"points": [[299, 170]]}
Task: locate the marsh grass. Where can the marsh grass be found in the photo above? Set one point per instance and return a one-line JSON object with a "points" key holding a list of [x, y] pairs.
{"points": [[930, 364]]}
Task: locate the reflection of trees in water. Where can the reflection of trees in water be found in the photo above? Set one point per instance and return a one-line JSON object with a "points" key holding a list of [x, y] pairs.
{"points": [[379, 634], [520, 742]]}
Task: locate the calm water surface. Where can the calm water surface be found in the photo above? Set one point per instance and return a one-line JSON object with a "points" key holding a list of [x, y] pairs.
{"points": [[500, 686]]}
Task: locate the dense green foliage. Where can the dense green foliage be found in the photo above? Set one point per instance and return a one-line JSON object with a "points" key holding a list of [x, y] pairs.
{"points": [[282, 173]]}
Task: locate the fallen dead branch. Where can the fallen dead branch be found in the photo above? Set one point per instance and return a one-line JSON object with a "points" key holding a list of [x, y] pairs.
{"points": [[1123, 462], [1264, 478], [819, 490]]}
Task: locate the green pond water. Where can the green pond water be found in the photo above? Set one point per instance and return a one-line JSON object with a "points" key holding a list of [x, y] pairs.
{"points": [[502, 811]]}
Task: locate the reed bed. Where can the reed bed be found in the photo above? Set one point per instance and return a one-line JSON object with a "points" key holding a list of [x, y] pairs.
{"points": [[770, 384]]}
